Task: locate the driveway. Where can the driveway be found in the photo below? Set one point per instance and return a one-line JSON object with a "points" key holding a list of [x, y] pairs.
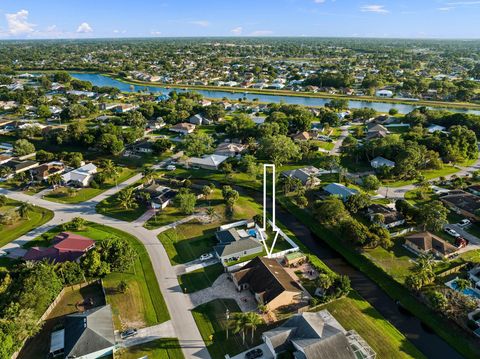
{"points": [[145, 335], [267, 354]]}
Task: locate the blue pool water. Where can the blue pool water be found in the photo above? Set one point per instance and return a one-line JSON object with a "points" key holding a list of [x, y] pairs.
{"points": [[469, 291]]}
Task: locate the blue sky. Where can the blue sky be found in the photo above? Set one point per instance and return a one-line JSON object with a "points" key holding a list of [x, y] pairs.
{"points": [[21, 19]]}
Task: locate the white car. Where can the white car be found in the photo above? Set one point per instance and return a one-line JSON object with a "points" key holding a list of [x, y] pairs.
{"points": [[451, 232], [464, 223], [206, 256], [170, 168]]}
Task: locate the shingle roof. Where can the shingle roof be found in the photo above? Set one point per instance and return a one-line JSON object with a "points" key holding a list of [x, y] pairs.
{"points": [[237, 247], [89, 332], [427, 241], [267, 278]]}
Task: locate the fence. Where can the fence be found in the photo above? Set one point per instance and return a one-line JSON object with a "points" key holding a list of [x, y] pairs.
{"points": [[55, 302]]}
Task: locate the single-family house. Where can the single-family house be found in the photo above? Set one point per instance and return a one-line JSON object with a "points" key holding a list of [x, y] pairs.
{"points": [[434, 128], [337, 189], [86, 335], [21, 166], [208, 162], [379, 162], [66, 247], [384, 93], [143, 146], [82, 176], [234, 244], [307, 175], [160, 196], [183, 128], [376, 127], [302, 136], [5, 158], [124, 107], [390, 217], [315, 335], [269, 282], [475, 189], [426, 242], [42, 172], [230, 149], [199, 119], [464, 203]]}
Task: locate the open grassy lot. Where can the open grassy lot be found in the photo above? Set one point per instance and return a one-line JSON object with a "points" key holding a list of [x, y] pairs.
{"points": [[355, 313], [201, 278], [428, 174], [111, 207], [84, 194], [165, 348], [36, 218], [212, 324], [396, 261], [142, 304], [166, 216]]}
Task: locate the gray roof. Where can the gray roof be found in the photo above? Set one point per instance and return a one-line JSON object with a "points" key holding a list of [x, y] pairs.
{"points": [[237, 247], [89, 332], [319, 335], [339, 190]]}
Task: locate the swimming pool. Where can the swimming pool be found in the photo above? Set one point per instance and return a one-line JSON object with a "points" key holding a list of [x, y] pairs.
{"points": [[468, 291]]}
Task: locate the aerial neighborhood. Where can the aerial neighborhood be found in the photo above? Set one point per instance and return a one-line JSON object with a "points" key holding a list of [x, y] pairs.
{"points": [[236, 194]]}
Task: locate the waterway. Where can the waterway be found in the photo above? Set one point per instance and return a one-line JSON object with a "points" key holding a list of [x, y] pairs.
{"points": [[102, 80]]}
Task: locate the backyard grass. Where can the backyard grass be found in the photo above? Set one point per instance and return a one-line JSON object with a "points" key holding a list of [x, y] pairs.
{"points": [[142, 304], [39, 345], [165, 348], [84, 194], [37, 217], [166, 216], [111, 207], [211, 322], [201, 278], [353, 312]]}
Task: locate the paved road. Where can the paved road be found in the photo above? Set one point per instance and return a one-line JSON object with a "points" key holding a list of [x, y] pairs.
{"points": [[177, 303], [338, 143]]}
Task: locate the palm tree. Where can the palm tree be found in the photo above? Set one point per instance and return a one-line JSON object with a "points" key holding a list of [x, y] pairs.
{"points": [[253, 321], [462, 284], [240, 322], [24, 209], [126, 199], [3, 200], [54, 179], [211, 213], [110, 170], [5, 171], [147, 174]]}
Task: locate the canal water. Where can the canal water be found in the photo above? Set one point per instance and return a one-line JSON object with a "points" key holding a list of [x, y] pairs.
{"points": [[102, 80]]}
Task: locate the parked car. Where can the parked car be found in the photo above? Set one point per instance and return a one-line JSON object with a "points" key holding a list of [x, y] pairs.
{"points": [[128, 333], [171, 168], [464, 223], [451, 232], [206, 256], [253, 354]]}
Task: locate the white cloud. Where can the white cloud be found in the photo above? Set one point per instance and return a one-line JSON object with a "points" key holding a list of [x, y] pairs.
{"points": [[446, 8], [379, 9], [119, 31], [464, 3], [84, 28], [18, 23], [261, 33], [318, 1], [237, 30], [155, 33], [202, 23]]}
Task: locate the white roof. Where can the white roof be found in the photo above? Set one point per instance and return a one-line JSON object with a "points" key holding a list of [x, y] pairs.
{"points": [[433, 128], [57, 341], [209, 160], [381, 161]]}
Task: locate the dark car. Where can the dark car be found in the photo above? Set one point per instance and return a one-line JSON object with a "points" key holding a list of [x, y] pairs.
{"points": [[253, 354], [128, 333]]}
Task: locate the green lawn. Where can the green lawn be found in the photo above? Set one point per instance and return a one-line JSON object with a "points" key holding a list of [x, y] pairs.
{"points": [[396, 261], [201, 278], [355, 313], [428, 174], [166, 216], [165, 348], [142, 304], [111, 207], [211, 322], [36, 218], [188, 241], [85, 194]]}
